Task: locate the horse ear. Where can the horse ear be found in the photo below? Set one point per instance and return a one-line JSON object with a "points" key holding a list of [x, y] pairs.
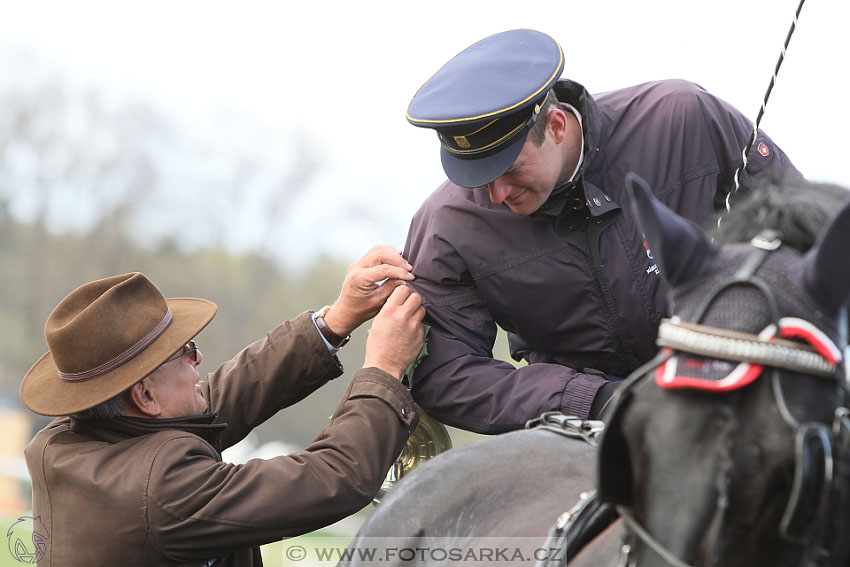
{"points": [[825, 269], [680, 247]]}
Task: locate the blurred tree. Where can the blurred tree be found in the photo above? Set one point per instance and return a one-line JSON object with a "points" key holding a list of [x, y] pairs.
{"points": [[90, 188], [253, 294]]}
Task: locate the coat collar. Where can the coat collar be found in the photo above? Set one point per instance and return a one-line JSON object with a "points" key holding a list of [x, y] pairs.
{"points": [[598, 202], [124, 427]]}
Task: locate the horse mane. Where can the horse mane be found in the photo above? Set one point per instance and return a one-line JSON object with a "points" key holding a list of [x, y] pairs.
{"points": [[795, 207]]}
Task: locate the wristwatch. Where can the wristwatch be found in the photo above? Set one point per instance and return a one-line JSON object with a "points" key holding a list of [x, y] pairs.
{"points": [[333, 339]]}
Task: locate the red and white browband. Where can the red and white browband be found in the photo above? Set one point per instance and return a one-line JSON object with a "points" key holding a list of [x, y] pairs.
{"points": [[819, 356]]}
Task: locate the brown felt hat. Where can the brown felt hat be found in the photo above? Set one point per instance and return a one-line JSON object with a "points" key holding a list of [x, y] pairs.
{"points": [[104, 337]]}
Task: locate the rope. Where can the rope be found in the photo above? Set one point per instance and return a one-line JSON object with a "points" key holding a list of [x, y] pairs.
{"points": [[752, 139]]}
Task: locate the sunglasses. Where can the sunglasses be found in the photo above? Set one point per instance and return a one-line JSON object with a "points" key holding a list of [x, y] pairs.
{"points": [[190, 349]]}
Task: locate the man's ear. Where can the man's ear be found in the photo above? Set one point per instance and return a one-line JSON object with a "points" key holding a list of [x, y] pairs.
{"points": [[556, 124], [142, 401]]}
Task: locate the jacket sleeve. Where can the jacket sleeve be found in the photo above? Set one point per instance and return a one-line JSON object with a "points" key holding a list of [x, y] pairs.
{"points": [[272, 373], [729, 131], [479, 393], [459, 382], [198, 506]]}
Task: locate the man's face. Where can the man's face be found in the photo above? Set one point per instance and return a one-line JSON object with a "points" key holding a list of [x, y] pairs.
{"points": [[527, 184], [176, 386]]}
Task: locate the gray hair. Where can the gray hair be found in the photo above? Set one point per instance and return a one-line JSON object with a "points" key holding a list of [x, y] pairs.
{"points": [[110, 409]]}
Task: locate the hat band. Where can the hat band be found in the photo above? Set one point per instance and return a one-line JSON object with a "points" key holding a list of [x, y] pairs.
{"points": [[128, 354], [494, 146]]}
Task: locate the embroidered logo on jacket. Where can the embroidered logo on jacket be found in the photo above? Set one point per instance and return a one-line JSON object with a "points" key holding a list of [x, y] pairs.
{"points": [[653, 267]]}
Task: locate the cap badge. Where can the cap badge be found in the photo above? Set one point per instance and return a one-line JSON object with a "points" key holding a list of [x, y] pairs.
{"points": [[462, 142]]}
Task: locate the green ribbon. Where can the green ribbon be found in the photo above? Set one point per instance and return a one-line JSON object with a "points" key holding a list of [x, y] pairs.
{"points": [[423, 352]]}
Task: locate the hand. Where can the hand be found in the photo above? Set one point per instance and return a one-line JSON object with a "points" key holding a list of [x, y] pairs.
{"points": [[397, 334], [361, 296]]}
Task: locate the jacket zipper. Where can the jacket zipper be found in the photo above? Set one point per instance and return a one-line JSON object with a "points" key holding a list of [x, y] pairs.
{"points": [[594, 229]]}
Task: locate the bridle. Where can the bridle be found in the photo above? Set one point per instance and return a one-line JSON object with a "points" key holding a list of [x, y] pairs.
{"points": [[818, 508]]}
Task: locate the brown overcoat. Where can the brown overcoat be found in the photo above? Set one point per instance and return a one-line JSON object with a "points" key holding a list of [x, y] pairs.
{"points": [[145, 492]]}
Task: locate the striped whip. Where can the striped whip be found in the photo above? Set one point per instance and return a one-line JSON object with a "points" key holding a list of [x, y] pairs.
{"points": [[752, 139]]}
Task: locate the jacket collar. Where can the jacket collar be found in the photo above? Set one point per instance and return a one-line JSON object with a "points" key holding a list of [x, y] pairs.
{"points": [[125, 427], [578, 190]]}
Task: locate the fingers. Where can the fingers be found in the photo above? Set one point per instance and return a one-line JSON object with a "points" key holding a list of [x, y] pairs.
{"points": [[385, 262], [399, 295], [385, 255], [420, 313], [405, 298], [368, 283], [381, 272], [380, 265], [397, 334], [380, 293]]}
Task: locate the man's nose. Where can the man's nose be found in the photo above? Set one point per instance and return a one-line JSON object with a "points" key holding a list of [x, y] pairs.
{"points": [[199, 357], [499, 191]]}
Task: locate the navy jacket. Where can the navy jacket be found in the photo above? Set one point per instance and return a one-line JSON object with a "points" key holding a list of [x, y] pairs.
{"points": [[573, 284]]}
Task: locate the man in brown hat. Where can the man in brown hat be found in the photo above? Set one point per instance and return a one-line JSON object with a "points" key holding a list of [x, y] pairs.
{"points": [[133, 474]]}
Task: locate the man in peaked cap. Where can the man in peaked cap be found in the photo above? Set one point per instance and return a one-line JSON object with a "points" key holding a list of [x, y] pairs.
{"points": [[134, 476], [532, 229]]}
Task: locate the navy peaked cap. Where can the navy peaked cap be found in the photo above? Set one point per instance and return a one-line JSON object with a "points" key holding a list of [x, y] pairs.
{"points": [[483, 102]]}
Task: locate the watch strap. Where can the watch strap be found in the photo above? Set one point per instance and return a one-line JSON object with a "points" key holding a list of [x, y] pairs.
{"points": [[333, 339]]}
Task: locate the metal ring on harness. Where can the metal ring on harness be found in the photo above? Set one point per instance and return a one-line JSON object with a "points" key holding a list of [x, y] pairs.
{"points": [[812, 483]]}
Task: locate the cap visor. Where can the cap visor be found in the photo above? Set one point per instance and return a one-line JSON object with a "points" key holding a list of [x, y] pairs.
{"points": [[481, 171]]}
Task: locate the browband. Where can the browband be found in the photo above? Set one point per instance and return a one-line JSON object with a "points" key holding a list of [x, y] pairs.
{"points": [[763, 349]]}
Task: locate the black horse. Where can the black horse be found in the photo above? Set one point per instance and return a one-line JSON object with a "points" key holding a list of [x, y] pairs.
{"points": [[731, 462], [491, 502], [733, 448]]}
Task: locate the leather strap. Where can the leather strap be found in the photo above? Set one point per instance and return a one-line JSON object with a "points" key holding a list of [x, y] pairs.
{"points": [[575, 528], [333, 339]]}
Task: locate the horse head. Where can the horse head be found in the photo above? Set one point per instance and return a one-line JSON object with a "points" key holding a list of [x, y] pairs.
{"points": [[732, 447]]}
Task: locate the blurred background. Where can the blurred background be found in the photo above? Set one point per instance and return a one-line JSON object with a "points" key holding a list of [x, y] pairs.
{"points": [[248, 152]]}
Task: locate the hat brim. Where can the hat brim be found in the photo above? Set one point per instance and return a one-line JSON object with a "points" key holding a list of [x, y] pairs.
{"points": [[481, 171], [45, 392]]}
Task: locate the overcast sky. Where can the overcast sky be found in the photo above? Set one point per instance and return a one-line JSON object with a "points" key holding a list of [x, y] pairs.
{"points": [[344, 72]]}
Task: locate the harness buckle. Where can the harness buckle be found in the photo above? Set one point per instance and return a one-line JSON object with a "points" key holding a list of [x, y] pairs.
{"points": [[568, 425]]}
